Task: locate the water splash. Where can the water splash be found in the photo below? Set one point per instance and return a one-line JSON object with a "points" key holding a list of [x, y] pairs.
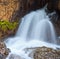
{"points": [[34, 30]]}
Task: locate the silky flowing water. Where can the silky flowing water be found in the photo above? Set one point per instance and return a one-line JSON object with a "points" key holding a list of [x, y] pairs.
{"points": [[35, 30]]}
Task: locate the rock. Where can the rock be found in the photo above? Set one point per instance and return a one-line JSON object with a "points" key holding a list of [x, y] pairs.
{"points": [[9, 9], [13, 9], [57, 27], [54, 5], [4, 51], [2, 56], [29, 5], [46, 53], [36, 4]]}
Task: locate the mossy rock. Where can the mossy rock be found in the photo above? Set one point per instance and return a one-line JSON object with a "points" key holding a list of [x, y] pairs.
{"points": [[7, 28]]}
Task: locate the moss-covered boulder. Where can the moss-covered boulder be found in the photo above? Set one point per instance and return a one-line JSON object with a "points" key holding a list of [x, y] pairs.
{"points": [[7, 28]]}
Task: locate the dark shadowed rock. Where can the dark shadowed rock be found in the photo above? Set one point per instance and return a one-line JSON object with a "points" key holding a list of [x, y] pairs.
{"points": [[2, 56], [4, 51], [55, 18], [54, 5]]}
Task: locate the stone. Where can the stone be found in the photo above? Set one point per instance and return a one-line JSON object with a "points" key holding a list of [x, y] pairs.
{"points": [[8, 9], [55, 18], [2, 57], [46, 53], [54, 5], [4, 51]]}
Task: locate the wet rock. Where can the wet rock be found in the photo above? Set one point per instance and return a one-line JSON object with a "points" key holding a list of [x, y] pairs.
{"points": [[56, 22], [4, 51], [55, 19], [2, 57], [57, 27], [46, 53]]}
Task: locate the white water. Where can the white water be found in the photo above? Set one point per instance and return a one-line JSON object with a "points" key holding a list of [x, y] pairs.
{"points": [[35, 30]]}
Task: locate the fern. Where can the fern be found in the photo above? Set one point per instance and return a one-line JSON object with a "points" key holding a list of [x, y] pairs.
{"points": [[6, 25]]}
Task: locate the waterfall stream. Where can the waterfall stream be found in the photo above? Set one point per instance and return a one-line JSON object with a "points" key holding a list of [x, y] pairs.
{"points": [[35, 30]]}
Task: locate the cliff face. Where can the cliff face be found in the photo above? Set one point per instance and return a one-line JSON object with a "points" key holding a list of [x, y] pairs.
{"points": [[8, 9], [54, 4], [36, 4], [9, 12]]}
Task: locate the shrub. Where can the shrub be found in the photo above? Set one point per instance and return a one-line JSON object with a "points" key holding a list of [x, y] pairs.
{"points": [[6, 25]]}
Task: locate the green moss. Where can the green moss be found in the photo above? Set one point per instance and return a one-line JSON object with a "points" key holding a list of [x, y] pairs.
{"points": [[6, 25]]}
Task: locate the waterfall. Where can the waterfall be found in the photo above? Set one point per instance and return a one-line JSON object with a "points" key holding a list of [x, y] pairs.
{"points": [[36, 25], [35, 30]]}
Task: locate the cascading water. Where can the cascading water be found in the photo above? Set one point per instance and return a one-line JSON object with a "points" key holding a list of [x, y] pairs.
{"points": [[33, 31]]}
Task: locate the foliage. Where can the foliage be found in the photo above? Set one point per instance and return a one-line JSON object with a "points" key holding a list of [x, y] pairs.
{"points": [[6, 25]]}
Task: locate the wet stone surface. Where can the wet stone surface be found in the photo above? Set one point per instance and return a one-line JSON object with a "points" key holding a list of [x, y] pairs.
{"points": [[4, 51], [46, 53]]}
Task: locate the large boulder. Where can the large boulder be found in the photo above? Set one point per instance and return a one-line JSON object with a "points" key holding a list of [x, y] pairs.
{"points": [[45, 53]]}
